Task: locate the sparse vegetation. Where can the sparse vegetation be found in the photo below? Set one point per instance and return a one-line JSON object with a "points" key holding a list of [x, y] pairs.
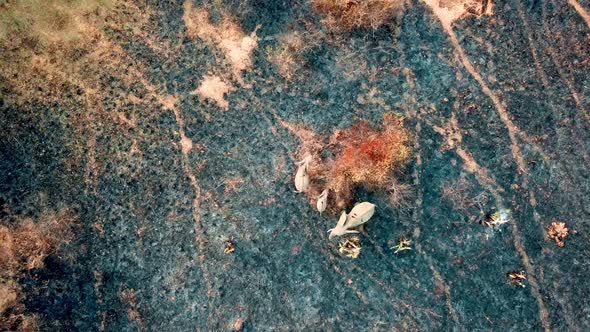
{"points": [[350, 14], [43, 43], [129, 297], [24, 245], [284, 58], [399, 194], [459, 193], [48, 21], [288, 54]]}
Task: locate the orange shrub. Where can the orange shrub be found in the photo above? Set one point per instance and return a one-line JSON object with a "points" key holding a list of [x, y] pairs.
{"points": [[557, 231], [363, 156]]}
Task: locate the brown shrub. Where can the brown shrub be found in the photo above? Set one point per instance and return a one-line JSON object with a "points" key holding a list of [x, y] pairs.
{"points": [[350, 14], [399, 194], [460, 194], [24, 244], [8, 296], [364, 157], [557, 231]]}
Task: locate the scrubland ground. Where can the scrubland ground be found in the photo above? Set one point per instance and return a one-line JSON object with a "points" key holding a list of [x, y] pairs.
{"points": [[147, 156]]}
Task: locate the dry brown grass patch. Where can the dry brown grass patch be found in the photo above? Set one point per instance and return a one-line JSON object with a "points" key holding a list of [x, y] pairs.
{"points": [[460, 194], [24, 245], [68, 65], [399, 194], [129, 298], [48, 21], [350, 14], [287, 55]]}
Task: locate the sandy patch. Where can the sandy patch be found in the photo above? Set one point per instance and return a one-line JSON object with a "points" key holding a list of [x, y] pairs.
{"points": [[214, 88], [226, 35]]}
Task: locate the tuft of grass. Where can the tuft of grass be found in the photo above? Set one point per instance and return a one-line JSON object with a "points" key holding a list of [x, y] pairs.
{"points": [[351, 14]]}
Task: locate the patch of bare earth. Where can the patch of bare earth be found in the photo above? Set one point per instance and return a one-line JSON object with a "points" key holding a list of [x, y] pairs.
{"points": [[214, 88], [227, 36]]}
